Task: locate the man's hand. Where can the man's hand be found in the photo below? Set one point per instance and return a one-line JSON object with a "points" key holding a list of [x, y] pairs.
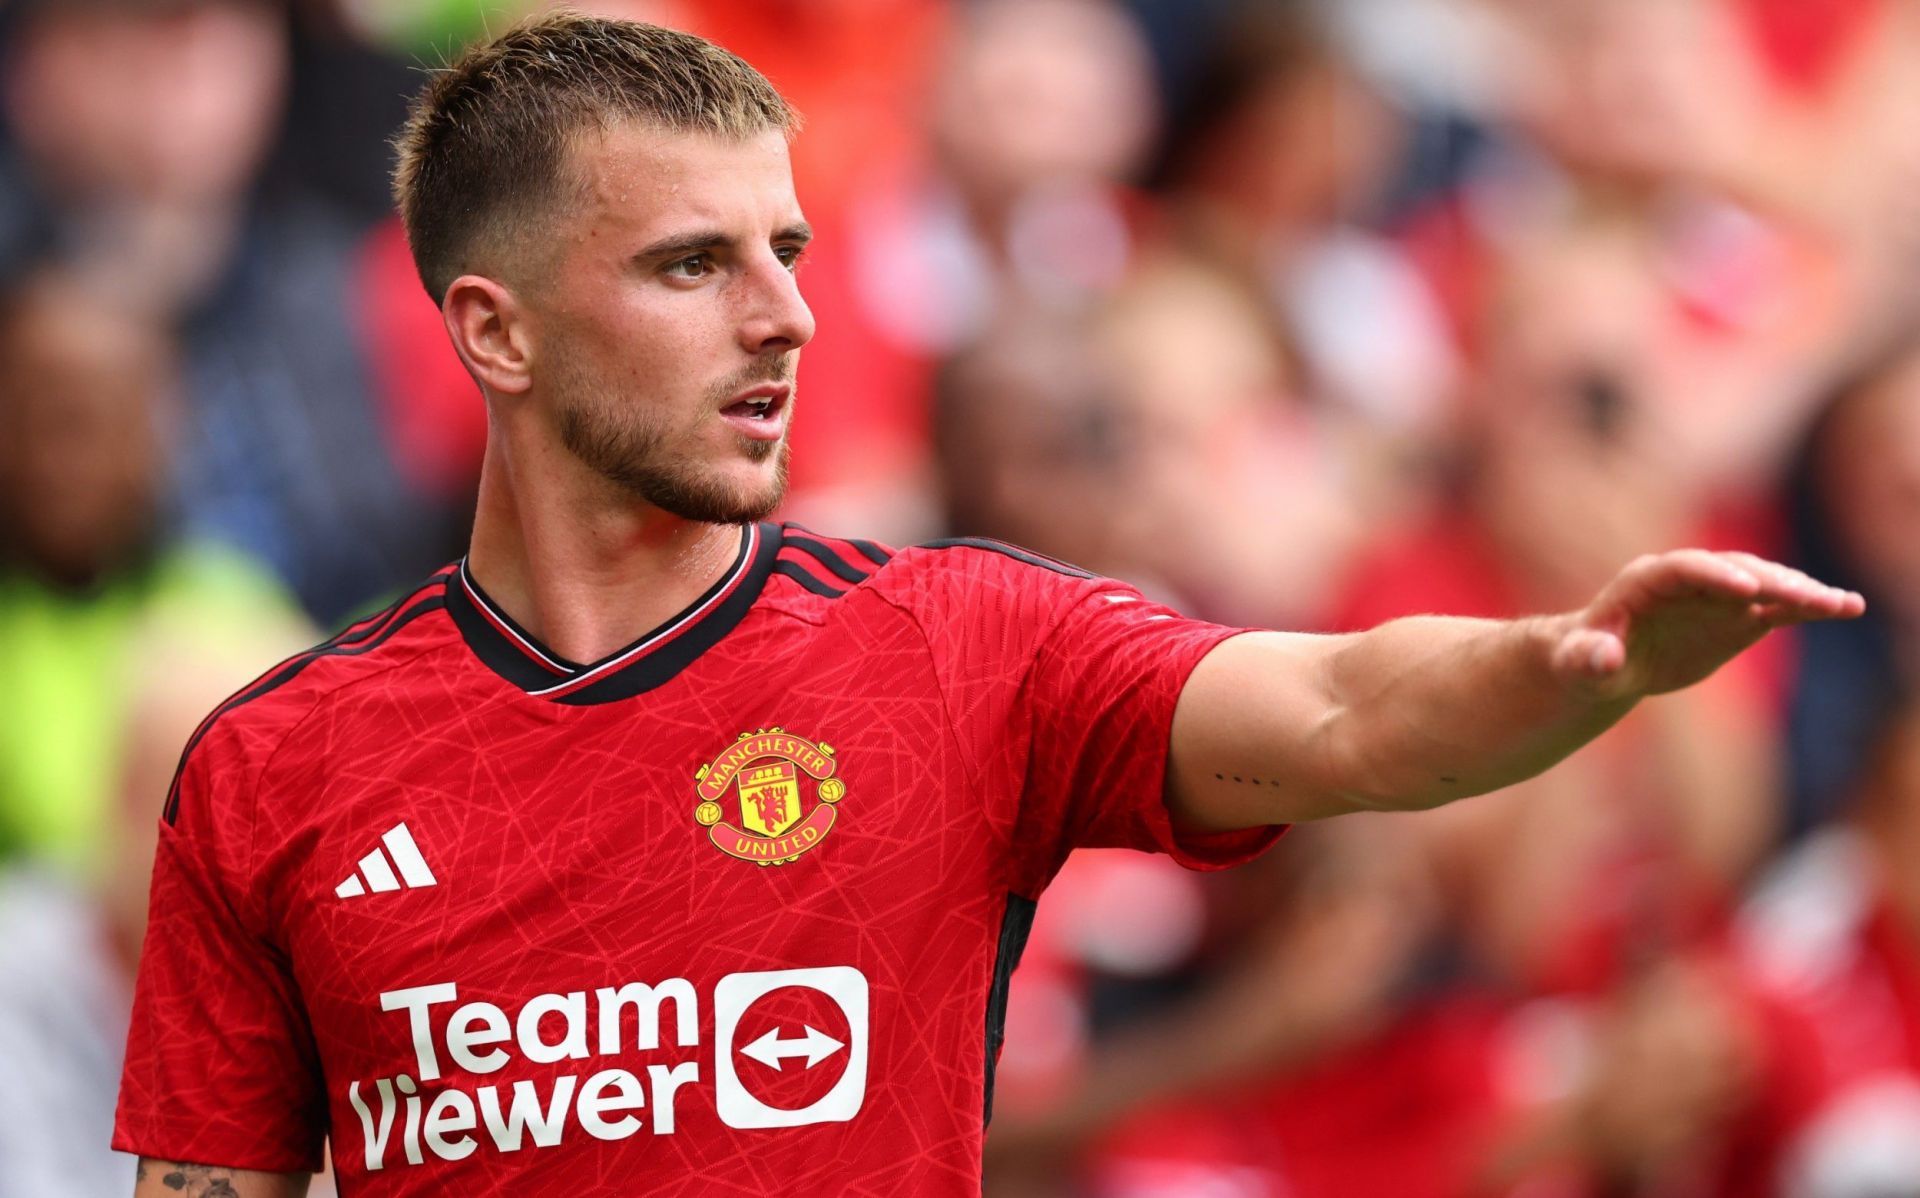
{"points": [[1670, 619]]}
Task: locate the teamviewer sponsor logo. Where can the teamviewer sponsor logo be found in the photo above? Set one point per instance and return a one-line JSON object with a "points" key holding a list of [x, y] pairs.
{"points": [[731, 998], [412, 1117]]}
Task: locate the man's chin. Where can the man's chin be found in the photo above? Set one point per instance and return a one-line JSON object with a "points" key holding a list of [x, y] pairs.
{"points": [[748, 506], [735, 496]]}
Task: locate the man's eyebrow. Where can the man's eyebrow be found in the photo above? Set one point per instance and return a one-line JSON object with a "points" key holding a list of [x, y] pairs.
{"points": [[682, 245], [685, 245]]}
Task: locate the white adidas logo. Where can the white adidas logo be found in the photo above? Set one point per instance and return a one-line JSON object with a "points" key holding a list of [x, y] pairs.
{"points": [[379, 875]]}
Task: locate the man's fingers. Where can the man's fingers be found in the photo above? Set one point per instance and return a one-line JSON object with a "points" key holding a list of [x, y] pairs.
{"points": [[1788, 594], [1689, 573], [1791, 588], [1780, 582], [1778, 614]]}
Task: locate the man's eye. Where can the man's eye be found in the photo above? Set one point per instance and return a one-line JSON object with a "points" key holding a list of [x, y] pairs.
{"points": [[694, 267], [790, 255]]}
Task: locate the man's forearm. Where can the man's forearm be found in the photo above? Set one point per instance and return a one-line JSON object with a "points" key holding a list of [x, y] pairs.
{"points": [[174, 1179], [1429, 709], [1282, 727]]}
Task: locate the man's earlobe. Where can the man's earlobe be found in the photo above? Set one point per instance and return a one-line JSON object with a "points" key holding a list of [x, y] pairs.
{"points": [[489, 330]]}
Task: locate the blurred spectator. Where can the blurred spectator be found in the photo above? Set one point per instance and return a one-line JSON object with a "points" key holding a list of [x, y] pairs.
{"points": [[1289, 367], [1643, 140], [1244, 496], [143, 127], [1040, 112], [66, 956], [1154, 438], [1832, 950], [88, 411], [63, 1025], [1009, 204], [1264, 1083], [114, 640], [1274, 167], [1855, 501], [1865, 463], [1035, 446], [1652, 94]]}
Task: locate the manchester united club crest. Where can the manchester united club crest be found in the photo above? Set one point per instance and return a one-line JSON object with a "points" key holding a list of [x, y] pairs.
{"points": [[763, 780]]}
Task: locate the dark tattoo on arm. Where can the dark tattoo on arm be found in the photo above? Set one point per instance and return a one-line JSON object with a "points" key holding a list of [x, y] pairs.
{"points": [[200, 1181], [1245, 781]]}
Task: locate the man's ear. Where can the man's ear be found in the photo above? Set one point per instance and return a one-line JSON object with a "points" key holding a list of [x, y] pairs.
{"points": [[490, 330]]}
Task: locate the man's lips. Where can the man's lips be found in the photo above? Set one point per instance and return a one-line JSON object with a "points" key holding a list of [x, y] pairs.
{"points": [[775, 392], [760, 411]]}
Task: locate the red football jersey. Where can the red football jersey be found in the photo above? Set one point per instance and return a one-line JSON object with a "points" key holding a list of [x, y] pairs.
{"points": [[735, 906]]}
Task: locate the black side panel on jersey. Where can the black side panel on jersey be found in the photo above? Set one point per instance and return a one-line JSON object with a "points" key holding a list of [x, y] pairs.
{"points": [[1013, 551], [363, 637], [1015, 926]]}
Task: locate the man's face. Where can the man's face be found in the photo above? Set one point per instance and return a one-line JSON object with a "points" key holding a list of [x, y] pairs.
{"points": [[83, 433], [667, 323]]}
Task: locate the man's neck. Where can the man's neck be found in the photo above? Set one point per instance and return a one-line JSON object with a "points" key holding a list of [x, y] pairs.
{"points": [[579, 565]]}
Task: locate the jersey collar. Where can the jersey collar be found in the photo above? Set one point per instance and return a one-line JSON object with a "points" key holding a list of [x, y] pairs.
{"points": [[653, 660]]}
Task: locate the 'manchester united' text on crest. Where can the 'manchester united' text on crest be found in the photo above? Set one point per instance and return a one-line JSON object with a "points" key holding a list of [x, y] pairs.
{"points": [[768, 773]]}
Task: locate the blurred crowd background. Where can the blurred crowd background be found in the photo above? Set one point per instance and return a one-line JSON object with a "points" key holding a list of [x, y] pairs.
{"points": [[1298, 315]]}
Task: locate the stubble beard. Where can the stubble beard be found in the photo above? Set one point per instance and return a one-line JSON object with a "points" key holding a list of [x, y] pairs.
{"points": [[633, 451]]}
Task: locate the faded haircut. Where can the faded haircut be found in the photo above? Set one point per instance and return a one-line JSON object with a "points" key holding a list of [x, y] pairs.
{"points": [[485, 146]]}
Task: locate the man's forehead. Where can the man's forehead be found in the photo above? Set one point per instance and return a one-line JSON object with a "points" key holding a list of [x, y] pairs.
{"points": [[631, 172]]}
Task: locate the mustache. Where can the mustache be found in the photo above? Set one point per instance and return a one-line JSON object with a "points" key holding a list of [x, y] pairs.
{"points": [[777, 369]]}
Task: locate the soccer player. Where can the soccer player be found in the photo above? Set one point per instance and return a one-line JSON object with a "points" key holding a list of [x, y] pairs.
{"points": [[654, 848]]}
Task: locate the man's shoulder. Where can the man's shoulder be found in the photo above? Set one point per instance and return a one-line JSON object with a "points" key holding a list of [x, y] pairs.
{"points": [[970, 599], [932, 571], [238, 737], [982, 558]]}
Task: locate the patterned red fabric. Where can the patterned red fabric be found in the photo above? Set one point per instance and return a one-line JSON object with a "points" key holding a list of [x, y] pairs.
{"points": [[725, 909]]}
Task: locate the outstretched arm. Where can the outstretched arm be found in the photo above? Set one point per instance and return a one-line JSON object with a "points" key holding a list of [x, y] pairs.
{"points": [[1284, 727], [173, 1179]]}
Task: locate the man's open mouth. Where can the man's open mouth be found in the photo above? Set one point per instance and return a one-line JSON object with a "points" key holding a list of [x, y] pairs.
{"points": [[760, 411]]}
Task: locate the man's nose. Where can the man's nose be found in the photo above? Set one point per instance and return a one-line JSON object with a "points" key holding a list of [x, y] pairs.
{"points": [[778, 319]]}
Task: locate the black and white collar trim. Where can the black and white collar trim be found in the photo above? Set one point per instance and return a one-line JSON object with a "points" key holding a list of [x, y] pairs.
{"points": [[651, 661]]}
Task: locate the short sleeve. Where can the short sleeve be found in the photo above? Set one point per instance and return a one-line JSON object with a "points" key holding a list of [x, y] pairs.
{"points": [[1099, 698], [220, 1066]]}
